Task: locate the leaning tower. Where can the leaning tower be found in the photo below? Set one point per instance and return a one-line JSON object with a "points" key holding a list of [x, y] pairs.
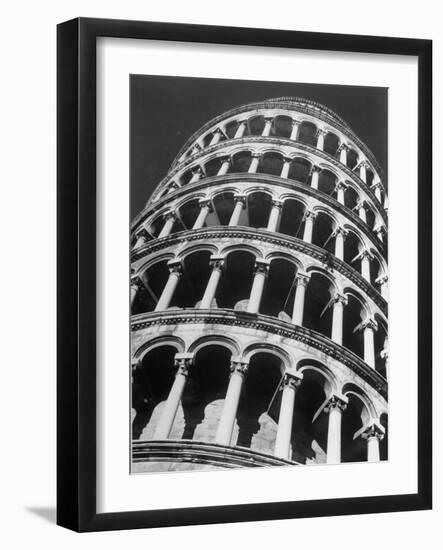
{"points": [[259, 297]]}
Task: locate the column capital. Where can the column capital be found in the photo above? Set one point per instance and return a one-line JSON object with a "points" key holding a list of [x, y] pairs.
{"points": [[363, 163], [377, 185], [309, 214], [269, 118], [287, 159], [239, 367], [197, 170], [341, 185], [370, 322], [315, 168], [373, 430], [321, 132], [361, 204], [261, 266], [240, 198], [217, 262], [256, 155], [205, 203], [183, 362], [302, 279], [218, 130], [383, 279], [175, 266], [292, 380], [137, 282], [196, 148], [276, 202], [342, 298], [336, 401], [225, 158], [340, 231], [365, 254], [343, 147], [170, 215], [295, 122]]}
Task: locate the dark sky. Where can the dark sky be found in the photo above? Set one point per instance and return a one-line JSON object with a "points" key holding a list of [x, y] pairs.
{"points": [[166, 110]]}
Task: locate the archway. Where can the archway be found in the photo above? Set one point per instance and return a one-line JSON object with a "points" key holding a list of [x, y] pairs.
{"points": [[259, 208], [154, 280], [353, 315], [193, 281], [236, 282], [292, 218], [278, 297], [318, 311]]}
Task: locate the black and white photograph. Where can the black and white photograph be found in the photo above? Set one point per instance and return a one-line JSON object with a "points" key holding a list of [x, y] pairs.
{"points": [[258, 274]]}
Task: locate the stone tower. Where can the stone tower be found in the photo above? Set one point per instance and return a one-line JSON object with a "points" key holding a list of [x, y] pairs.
{"points": [[259, 297]]}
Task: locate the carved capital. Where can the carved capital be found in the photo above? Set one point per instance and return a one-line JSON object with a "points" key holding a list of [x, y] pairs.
{"points": [[261, 267], [343, 147], [321, 132], [291, 380], [217, 262], [340, 231], [256, 155], [183, 362], [196, 148], [175, 266], [295, 122], [136, 282], [302, 279], [373, 430], [240, 198], [341, 185], [197, 170], [309, 214], [205, 203], [370, 322], [277, 203], [365, 254], [362, 164], [336, 402], [340, 298], [225, 158], [169, 215], [239, 367], [361, 204], [383, 279], [315, 168]]}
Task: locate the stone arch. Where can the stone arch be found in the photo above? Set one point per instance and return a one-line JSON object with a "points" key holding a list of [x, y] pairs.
{"points": [[214, 339], [166, 340]]}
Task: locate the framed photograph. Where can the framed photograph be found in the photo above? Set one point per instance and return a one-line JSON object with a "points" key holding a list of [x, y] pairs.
{"points": [[244, 274]]}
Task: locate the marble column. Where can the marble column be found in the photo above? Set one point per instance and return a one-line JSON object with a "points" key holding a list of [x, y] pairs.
{"points": [[340, 236], [366, 257], [362, 167], [268, 126], [294, 131], [261, 270], [339, 302], [335, 407], [175, 271], [286, 166], [216, 262], [169, 218], [302, 281], [383, 282], [216, 137], [240, 132], [377, 191], [255, 160], [239, 205], [341, 188], [361, 208], [373, 434], [274, 216], [321, 139], [315, 171], [136, 285], [291, 382], [197, 173], [309, 218], [183, 361], [205, 208], [225, 165], [369, 328], [225, 428], [343, 150]]}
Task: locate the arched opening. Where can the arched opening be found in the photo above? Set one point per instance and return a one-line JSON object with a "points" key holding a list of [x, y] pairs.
{"points": [[224, 206], [326, 182], [369, 177], [156, 226], [353, 247], [352, 159], [256, 125], [307, 133], [193, 281], [154, 281], [235, 285], [292, 222], [318, 311], [278, 297], [376, 269], [352, 317], [309, 436], [322, 234], [353, 450], [283, 126], [152, 381], [351, 198], [188, 213], [241, 162], [204, 393], [272, 163], [186, 177], [257, 430], [300, 170], [331, 144], [258, 209], [231, 128], [380, 345]]}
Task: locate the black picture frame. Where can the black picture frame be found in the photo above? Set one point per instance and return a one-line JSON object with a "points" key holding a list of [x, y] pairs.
{"points": [[77, 248]]}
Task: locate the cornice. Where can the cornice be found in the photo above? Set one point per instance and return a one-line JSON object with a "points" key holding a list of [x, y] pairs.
{"points": [[201, 452], [267, 324], [265, 178], [296, 145], [321, 113]]}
